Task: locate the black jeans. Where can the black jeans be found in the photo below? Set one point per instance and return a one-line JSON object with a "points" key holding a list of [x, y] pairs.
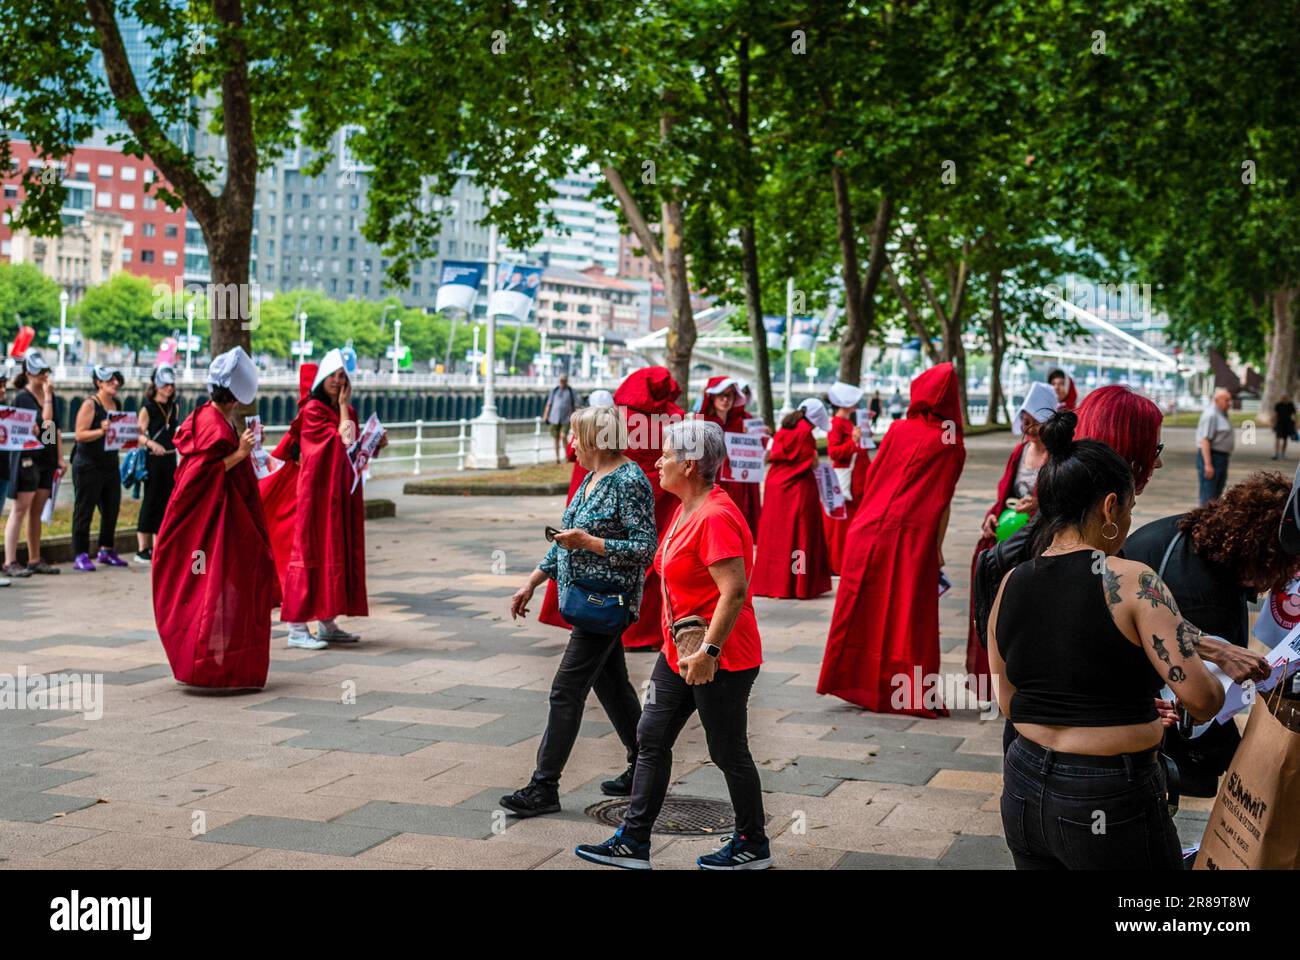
{"points": [[591, 660], [1064, 811], [96, 485], [724, 712]]}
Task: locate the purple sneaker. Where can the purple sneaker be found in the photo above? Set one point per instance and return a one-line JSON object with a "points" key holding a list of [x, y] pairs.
{"points": [[110, 558], [83, 564]]}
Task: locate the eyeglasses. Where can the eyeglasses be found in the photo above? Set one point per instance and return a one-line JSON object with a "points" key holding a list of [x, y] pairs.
{"points": [[1159, 448]]}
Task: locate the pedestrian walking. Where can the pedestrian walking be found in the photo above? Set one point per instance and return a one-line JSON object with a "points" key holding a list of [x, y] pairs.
{"points": [[1214, 443], [1283, 426], [561, 403]]}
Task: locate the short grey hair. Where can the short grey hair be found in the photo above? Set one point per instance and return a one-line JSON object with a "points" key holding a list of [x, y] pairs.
{"points": [[701, 441]]}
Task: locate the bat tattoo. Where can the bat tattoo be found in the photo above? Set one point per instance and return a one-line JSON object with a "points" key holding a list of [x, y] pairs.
{"points": [[1111, 581], [1150, 588]]}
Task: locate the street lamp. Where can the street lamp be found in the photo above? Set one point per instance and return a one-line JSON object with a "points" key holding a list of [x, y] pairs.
{"points": [[63, 330], [397, 348], [302, 339], [189, 341]]}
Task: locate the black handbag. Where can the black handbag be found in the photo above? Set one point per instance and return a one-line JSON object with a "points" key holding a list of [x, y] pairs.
{"points": [[595, 606]]}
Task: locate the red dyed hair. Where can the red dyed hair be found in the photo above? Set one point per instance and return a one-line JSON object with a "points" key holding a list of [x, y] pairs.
{"points": [[1125, 421]]}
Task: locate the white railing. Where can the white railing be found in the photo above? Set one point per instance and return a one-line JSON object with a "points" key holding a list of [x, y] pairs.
{"points": [[431, 436]]}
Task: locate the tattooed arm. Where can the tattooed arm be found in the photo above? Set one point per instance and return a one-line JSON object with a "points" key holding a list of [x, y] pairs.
{"points": [[1146, 613], [1237, 663]]}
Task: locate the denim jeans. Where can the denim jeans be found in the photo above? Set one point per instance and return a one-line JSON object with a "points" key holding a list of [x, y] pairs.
{"points": [[724, 713], [1213, 487], [1064, 811], [590, 661]]}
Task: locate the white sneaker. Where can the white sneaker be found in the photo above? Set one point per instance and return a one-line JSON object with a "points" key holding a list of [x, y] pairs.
{"points": [[305, 641], [4, 582]]}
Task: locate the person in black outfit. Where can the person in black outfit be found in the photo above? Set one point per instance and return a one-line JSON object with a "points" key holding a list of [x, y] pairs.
{"points": [[159, 418], [1080, 642], [4, 461], [32, 471], [95, 474], [1215, 560], [1283, 426]]}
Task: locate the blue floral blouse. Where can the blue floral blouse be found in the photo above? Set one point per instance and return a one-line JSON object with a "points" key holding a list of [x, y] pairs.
{"points": [[620, 510]]}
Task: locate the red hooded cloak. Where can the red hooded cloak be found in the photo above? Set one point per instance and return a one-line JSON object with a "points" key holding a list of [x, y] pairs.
{"points": [[792, 557], [843, 450], [214, 582], [746, 496], [886, 619]]}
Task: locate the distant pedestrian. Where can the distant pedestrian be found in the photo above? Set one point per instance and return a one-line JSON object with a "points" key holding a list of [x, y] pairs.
{"points": [[95, 474], [159, 417], [559, 408], [1214, 442], [33, 469], [1067, 394], [895, 405], [1283, 426], [876, 407]]}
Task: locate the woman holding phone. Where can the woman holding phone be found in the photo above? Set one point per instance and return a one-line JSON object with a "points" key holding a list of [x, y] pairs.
{"points": [[607, 541]]}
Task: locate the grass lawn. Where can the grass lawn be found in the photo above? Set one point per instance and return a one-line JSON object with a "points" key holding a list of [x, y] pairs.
{"points": [[1189, 419], [62, 525], [536, 473]]}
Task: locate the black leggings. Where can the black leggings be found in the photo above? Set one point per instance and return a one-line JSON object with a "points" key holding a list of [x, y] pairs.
{"points": [[724, 712], [590, 661], [96, 485]]}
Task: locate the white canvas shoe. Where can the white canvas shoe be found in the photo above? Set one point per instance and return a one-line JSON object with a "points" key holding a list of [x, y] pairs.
{"points": [[303, 640]]}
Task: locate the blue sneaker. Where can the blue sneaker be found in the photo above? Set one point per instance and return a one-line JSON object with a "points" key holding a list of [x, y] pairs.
{"points": [[738, 853], [617, 851]]}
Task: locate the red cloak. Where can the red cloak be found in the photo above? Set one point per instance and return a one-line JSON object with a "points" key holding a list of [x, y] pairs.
{"points": [[790, 529], [550, 612], [746, 496], [310, 509], [648, 396], [214, 582], [844, 451], [886, 619], [977, 657]]}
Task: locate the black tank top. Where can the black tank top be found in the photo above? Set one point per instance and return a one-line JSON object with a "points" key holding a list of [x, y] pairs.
{"points": [[1070, 664], [93, 453]]}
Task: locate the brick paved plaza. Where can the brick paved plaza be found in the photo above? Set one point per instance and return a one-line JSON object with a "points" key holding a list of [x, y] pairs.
{"points": [[449, 702]]}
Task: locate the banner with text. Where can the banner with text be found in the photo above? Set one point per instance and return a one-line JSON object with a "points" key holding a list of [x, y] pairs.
{"points": [[121, 431], [517, 287], [17, 428], [458, 286], [744, 458], [828, 488]]}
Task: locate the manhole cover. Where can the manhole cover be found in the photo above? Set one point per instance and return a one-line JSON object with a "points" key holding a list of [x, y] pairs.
{"points": [[690, 816]]}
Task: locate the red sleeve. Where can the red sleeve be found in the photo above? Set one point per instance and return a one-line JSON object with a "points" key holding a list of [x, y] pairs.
{"points": [[720, 539], [839, 443]]}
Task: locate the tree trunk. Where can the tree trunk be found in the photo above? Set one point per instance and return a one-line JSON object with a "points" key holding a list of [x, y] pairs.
{"points": [[677, 292], [858, 327], [998, 345], [1281, 375], [754, 309], [855, 327], [230, 303]]}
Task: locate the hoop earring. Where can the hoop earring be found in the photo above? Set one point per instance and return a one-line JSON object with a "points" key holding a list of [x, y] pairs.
{"points": [[1110, 536]]}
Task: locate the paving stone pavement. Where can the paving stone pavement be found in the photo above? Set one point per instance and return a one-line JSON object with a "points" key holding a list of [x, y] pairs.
{"points": [[392, 752]]}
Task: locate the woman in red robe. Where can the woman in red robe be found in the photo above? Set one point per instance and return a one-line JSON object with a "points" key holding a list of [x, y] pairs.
{"points": [[214, 582], [1016, 488], [850, 461], [885, 628], [648, 399], [550, 612], [316, 510], [724, 404], [792, 558]]}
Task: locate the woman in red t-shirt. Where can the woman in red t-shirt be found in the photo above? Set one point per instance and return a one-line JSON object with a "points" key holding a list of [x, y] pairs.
{"points": [[704, 559]]}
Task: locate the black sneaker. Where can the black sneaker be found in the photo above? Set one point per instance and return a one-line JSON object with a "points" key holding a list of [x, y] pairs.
{"points": [[532, 801], [144, 556], [738, 853], [620, 786], [617, 851]]}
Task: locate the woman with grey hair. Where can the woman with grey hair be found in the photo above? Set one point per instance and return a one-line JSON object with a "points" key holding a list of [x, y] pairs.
{"points": [[598, 561], [710, 658]]}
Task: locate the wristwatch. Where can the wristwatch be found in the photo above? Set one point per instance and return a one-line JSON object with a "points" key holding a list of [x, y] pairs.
{"points": [[712, 650]]}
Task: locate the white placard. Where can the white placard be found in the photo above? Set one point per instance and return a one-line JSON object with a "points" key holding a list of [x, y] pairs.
{"points": [[121, 431], [865, 440], [828, 488], [47, 512], [755, 425], [261, 459], [744, 458], [17, 428], [364, 449]]}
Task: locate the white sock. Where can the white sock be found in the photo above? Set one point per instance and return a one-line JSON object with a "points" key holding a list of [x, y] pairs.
{"points": [[330, 626]]}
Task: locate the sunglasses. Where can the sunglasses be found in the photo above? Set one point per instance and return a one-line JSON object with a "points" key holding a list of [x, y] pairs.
{"points": [[1159, 449]]}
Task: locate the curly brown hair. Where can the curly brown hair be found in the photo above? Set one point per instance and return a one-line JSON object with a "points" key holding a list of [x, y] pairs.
{"points": [[1238, 530]]}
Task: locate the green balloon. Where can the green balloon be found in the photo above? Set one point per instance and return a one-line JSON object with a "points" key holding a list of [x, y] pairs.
{"points": [[1010, 522]]}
